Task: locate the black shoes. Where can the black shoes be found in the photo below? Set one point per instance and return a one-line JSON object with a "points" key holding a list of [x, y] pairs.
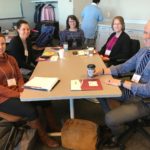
{"points": [[105, 138]]}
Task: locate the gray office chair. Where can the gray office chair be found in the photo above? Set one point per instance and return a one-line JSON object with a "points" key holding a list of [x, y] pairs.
{"points": [[135, 46]]}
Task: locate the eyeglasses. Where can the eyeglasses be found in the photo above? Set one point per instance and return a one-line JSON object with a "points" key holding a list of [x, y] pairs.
{"points": [[72, 21], [116, 24]]}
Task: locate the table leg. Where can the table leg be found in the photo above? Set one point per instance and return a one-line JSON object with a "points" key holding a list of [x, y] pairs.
{"points": [[71, 108], [71, 103]]}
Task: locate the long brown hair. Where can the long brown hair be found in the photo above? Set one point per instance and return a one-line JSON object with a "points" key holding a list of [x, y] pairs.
{"points": [[73, 17], [120, 18]]}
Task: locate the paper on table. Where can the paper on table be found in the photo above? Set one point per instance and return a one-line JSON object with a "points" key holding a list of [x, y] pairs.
{"points": [[47, 53], [75, 85], [86, 84], [41, 83], [54, 58], [81, 53]]}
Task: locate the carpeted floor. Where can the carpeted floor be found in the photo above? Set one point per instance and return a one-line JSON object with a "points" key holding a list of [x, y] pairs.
{"points": [[91, 111]]}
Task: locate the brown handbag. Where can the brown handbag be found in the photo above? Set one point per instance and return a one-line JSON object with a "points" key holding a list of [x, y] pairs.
{"points": [[78, 134]]}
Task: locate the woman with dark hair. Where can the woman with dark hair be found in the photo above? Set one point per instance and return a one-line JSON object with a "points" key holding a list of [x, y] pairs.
{"points": [[72, 35], [11, 85], [117, 45], [20, 48]]}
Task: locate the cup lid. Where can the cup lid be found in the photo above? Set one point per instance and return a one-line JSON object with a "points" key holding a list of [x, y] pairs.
{"points": [[91, 48], [91, 66]]}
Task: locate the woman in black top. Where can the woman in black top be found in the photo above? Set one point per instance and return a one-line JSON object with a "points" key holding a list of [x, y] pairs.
{"points": [[20, 47], [72, 35], [117, 45]]}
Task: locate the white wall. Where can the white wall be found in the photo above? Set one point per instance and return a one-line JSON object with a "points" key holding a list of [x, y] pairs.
{"points": [[129, 9], [65, 8], [79, 5], [28, 12], [69, 7], [15, 10]]}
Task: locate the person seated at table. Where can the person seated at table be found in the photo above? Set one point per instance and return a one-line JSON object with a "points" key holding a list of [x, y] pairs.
{"points": [[131, 105], [72, 35], [18, 48], [11, 85], [117, 45]]}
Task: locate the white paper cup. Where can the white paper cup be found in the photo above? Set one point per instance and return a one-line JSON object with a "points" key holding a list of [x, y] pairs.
{"points": [[61, 53], [65, 46], [91, 50]]}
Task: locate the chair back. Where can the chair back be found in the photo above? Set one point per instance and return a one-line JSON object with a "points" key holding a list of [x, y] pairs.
{"points": [[135, 46]]}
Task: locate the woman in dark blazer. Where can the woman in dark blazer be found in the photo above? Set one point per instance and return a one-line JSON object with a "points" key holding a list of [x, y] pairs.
{"points": [[20, 46], [118, 44]]}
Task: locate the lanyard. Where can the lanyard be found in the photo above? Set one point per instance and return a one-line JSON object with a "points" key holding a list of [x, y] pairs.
{"points": [[11, 69], [143, 69]]}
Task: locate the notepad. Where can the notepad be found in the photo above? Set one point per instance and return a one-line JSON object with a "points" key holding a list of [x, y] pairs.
{"points": [[86, 84], [54, 58], [41, 83], [48, 53]]}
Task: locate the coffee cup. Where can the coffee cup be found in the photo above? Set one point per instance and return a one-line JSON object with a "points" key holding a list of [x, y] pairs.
{"points": [[90, 70], [61, 53], [91, 50], [65, 46]]}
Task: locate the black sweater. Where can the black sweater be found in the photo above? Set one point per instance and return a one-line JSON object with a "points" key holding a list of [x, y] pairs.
{"points": [[121, 49], [16, 49]]}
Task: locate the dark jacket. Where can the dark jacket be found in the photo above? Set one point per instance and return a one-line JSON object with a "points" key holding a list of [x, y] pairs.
{"points": [[121, 50], [70, 37], [16, 49]]}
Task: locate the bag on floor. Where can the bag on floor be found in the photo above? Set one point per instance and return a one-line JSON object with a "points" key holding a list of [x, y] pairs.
{"points": [[78, 134], [28, 140]]}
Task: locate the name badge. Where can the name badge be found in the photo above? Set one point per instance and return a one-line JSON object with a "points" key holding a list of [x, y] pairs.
{"points": [[136, 78], [11, 82], [107, 52]]}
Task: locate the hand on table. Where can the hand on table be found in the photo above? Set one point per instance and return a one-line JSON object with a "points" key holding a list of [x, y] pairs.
{"points": [[98, 71], [112, 81], [105, 58]]}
